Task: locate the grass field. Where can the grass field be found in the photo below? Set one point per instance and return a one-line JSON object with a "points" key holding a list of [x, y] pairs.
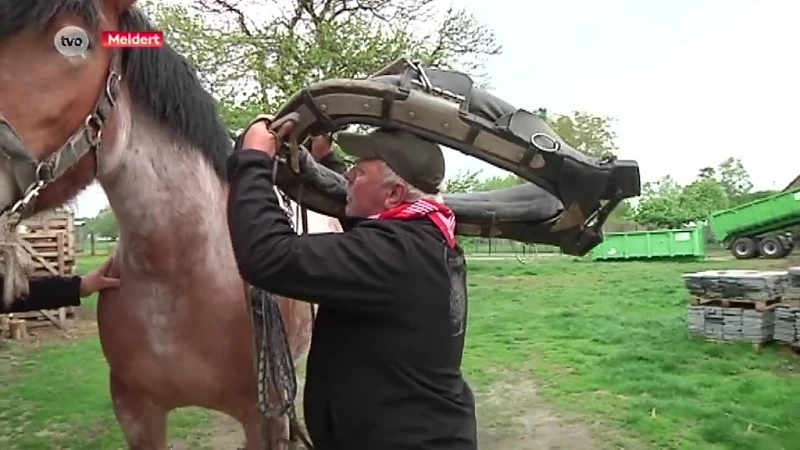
{"points": [[573, 353]]}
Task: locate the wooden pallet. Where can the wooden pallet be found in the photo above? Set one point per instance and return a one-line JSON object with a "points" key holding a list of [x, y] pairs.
{"points": [[42, 318], [50, 242], [758, 305]]}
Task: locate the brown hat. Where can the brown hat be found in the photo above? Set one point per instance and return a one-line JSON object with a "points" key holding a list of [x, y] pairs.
{"points": [[418, 161]]}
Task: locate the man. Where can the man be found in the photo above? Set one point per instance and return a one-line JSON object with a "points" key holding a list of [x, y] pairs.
{"points": [[383, 371], [53, 292]]}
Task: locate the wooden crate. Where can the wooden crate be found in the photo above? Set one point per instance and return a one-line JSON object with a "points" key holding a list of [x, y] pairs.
{"points": [[50, 242]]}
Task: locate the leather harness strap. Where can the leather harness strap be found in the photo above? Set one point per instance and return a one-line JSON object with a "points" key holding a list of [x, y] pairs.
{"points": [[296, 432], [31, 175]]}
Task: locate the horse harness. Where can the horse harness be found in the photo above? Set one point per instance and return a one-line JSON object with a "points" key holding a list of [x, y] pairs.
{"points": [[32, 176], [273, 355], [274, 363]]}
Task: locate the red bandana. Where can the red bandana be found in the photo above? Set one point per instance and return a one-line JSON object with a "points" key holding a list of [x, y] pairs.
{"points": [[440, 214]]}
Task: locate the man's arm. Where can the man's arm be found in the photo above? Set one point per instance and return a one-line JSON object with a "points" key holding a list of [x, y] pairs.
{"points": [[47, 293], [331, 161], [362, 268]]}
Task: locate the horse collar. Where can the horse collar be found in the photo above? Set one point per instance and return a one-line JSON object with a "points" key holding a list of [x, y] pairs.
{"points": [[33, 176]]}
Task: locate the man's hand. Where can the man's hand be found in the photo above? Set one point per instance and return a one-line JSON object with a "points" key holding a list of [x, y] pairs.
{"points": [[321, 146], [97, 280], [260, 137]]}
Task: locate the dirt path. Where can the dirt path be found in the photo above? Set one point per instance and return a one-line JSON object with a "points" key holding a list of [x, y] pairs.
{"points": [[515, 417], [511, 417]]}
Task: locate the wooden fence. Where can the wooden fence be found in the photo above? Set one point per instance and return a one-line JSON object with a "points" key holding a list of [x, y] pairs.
{"points": [[50, 241]]}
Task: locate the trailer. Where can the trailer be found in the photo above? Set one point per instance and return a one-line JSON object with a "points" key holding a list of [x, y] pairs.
{"points": [[759, 228]]}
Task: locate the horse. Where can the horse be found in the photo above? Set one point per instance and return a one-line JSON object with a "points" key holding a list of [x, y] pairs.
{"points": [[178, 332]]}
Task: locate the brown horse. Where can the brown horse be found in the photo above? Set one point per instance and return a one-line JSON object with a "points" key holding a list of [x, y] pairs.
{"points": [[178, 333]]}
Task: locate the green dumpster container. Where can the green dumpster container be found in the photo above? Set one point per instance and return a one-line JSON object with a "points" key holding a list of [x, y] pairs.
{"points": [[672, 243]]}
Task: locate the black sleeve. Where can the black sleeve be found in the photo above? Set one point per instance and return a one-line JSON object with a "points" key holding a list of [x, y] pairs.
{"points": [[331, 161], [361, 268], [47, 293]]}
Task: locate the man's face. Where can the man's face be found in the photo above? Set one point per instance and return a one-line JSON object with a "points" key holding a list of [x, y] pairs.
{"points": [[368, 192]]}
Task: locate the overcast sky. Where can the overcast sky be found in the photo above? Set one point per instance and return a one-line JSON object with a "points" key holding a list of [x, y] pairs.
{"points": [[688, 82]]}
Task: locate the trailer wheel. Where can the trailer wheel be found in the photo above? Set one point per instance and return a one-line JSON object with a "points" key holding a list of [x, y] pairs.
{"points": [[771, 248], [744, 248]]}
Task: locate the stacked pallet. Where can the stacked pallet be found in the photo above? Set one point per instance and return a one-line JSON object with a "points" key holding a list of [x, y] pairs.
{"points": [[50, 241], [787, 315], [734, 305]]}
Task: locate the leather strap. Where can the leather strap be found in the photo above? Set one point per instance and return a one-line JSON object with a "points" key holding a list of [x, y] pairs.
{"points": [[28, 172]]}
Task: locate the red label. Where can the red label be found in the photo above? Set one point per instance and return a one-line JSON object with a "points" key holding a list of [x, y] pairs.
{"points": [[133, 39]]}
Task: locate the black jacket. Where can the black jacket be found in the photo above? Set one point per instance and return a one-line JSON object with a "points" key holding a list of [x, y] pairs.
{"points": [[46, 293], [383, 372]]}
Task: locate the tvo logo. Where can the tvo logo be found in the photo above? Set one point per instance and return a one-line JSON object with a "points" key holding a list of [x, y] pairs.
{"points": [[71, 41]]}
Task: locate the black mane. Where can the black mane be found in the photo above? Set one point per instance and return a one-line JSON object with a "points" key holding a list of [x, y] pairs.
{"points": [[161, 81]]}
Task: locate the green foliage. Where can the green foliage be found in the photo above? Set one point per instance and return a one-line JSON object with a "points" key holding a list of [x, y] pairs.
{"points": [[622, 213], [470, 182], [702, 197], [591, 135], [103, 225], [665, 204], [659, 204], [734, 179], [252, 67], [463, 182], [753, 196], [500, 182]]}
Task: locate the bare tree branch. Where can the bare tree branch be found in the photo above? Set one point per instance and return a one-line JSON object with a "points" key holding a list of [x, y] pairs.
{"points": [[223, 7]]}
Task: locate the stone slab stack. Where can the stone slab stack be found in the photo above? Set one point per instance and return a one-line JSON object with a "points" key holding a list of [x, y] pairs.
{"points": [[787, 315], [737, 285], [791, 294], [735, 305]]}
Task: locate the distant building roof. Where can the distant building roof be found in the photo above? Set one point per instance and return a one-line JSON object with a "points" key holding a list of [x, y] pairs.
{"points": [[794, 184]]}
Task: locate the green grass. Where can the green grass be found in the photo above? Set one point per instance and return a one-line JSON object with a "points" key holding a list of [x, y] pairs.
{"points": [[57, 396], [606, 342], [609, 341]]}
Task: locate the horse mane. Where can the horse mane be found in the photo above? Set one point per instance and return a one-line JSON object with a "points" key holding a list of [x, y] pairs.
{"points": [[162, 82], [16, 15]]}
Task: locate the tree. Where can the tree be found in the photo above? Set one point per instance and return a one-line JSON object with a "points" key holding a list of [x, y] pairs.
{"points": [[734, 179], [753, 196], [252, 67], [667, 204], [622, 213], [591, 135], [660, 204], [463, 182], [700, 198], [104, 224], [500, 182]]}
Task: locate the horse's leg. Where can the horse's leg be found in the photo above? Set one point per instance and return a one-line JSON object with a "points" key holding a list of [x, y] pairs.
{"points": [[143, 423]]}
